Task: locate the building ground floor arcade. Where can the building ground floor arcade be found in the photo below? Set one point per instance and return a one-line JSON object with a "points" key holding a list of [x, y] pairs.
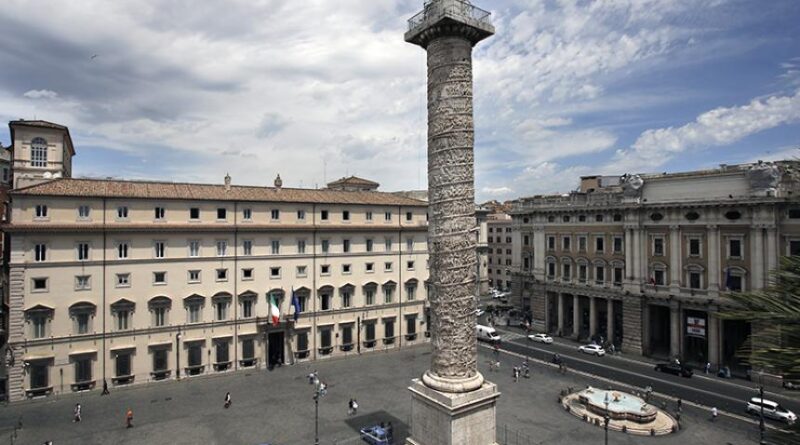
{"points": [[54, 366], [687, 328]]}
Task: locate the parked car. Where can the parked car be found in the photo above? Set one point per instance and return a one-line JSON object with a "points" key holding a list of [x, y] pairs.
{"points": [[374, 435], [592, 349], [772, 410], [541, 338], [487, 333], [674, 368]]}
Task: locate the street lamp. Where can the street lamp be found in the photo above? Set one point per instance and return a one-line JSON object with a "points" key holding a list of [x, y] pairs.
{"points": [[178, 355], [605, 417], [320, 390], [761, 395]]}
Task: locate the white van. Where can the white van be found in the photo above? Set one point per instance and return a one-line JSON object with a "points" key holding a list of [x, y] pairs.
{"points": [[771, 409], [486, 333]]}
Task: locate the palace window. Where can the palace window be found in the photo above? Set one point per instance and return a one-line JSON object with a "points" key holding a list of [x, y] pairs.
{"points": [[40, 252], [41, 211], [38, 152], [122, 250], [247, 247]]}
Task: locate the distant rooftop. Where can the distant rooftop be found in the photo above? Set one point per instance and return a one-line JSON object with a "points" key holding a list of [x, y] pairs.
{"points": [[111, 188]]}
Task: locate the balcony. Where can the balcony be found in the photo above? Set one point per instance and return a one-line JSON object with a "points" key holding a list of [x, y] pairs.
{"points": [[453, 11]]}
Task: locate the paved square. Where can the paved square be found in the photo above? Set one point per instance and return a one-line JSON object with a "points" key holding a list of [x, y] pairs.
{"points": [[277, 407]]}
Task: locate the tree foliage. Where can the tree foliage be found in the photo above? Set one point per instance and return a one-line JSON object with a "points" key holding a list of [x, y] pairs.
{"points": [[775, 316]]}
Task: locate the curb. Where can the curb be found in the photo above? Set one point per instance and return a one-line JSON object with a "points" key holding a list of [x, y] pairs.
{"points": [[626, 385]]}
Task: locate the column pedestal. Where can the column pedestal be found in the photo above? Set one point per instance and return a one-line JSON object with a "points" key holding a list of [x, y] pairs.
{"points": [[440, 418]]}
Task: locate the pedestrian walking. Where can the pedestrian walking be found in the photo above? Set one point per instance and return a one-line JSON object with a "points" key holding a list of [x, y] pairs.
{"points": [[708, 367], [355, 407], [76, 415], [312, 377], [105, 388], [680, 402], [228, 400], [129, 419], [350, 407], [714, 414], [390, 433], [516, 374]]}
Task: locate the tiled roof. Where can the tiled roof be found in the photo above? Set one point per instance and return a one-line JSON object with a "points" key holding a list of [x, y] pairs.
{"points": [[353, 180], [106, 188], [38, 123]]}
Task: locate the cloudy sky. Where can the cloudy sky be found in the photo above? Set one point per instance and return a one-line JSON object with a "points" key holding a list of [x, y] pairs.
{"points": [[318, 89]]}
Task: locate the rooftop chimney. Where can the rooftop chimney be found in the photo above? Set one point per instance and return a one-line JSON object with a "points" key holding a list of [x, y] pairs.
{"points": [[227, 182]]}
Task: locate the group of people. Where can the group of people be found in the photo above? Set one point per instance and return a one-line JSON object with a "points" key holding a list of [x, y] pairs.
{"points": [[76, 415], [524, 370]]}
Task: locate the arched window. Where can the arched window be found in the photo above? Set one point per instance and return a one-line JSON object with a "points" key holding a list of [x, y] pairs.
{"points": [[39, 152]]}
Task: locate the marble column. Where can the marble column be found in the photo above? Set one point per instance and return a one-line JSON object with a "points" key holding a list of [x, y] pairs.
{"points": [[610, 320], [712, 333], [592, 316], [576, 316], [451, 403], [561, 310], [674, 331], [712, 234]]}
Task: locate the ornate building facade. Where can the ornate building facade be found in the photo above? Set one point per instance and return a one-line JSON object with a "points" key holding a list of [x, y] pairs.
{"points": [[645, 261], [127, 282]]}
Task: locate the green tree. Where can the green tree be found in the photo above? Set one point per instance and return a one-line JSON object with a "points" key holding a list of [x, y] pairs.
{"points": [[774, 312], [775, 315]]}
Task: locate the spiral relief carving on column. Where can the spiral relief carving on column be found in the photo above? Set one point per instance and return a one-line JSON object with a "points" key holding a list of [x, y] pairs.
{"points": [[451, 194]]}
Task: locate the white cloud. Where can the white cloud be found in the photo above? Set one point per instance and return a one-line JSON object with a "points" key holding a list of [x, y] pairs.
{"points": [[497, 191], [40, 94], [718, 127]]}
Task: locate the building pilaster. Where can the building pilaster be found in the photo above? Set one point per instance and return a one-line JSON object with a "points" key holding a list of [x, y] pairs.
{"points": [[674, 259], [712, 234]]}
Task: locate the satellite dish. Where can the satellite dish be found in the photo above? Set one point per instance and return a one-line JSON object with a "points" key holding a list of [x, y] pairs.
{"points": [[47, 175]]}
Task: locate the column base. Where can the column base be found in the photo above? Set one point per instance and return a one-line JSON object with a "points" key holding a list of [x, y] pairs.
{"points": [[442, 418]]}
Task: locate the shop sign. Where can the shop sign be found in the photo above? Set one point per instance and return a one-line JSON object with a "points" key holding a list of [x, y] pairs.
{"points": [[696, 326]]}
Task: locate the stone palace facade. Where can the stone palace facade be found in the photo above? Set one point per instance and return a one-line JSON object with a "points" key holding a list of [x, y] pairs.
{"points": [[646, 260], [127, 282]]}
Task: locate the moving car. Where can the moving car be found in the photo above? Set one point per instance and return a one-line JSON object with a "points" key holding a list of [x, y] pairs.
{"points": [[592, 349], [772, 410], [674, 368], [487, 333], [541, 338], [374, 435]]}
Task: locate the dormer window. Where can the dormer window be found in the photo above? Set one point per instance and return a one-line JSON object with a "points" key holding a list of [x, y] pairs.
{"points": [[38, 152]]}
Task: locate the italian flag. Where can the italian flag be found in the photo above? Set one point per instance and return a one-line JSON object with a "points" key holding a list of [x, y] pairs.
{"points": [[274, 312]]}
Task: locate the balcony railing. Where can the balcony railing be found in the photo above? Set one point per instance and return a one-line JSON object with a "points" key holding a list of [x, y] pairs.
{"points": [[435, 9]]}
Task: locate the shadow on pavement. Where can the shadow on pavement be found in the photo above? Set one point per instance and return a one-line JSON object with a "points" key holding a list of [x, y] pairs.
{"points": [[375, 418]]}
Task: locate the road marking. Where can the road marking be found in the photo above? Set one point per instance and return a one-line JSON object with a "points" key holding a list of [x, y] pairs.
{"points": [[627, 385], [767, 392]]}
